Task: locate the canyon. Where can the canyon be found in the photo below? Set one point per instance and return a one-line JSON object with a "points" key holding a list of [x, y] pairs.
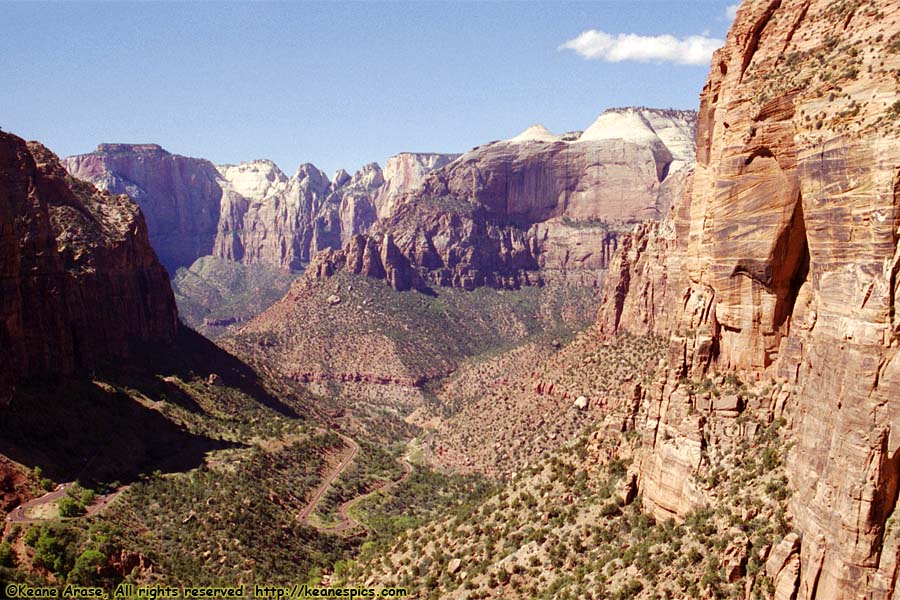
{"points": [[659, 357]]}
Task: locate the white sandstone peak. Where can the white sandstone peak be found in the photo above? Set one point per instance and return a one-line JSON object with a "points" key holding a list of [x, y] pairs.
{"points": [[628, 125], [255, 179], [536, 133]]}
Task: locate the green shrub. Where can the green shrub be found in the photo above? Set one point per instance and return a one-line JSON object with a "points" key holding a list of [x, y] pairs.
{"points": [[7, 555], [69, 507], [85, 570]]}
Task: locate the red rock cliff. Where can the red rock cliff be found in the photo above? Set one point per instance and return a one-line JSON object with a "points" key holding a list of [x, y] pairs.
{"points": [[80, 283], [529, 209], [783, 263]]}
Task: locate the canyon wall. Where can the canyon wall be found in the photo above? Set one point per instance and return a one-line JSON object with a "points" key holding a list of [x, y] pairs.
{"points": [[781, 265], [179, 196], [251, 213], [80, 283], [528, 209]]}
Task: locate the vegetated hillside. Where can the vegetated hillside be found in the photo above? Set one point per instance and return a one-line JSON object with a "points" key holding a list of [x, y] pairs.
{"points": [[573, 526], [200, 471], [214, 294], [356, 339], [500, 414], [181, 419]]}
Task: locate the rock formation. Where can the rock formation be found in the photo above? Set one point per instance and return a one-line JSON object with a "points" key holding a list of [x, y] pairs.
{"points": [[251, 213], [782, 264], [515, 212], [80, 283], [179, 196], [405, 173]]}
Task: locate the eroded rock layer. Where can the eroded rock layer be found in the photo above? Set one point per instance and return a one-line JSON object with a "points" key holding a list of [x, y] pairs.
{"points": [[251, 213], [534, 207], [782, 264], [86, 256]]}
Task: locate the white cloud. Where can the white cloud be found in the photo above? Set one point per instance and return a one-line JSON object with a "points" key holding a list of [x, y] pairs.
{"points": [[731, 11], [599, 45]]}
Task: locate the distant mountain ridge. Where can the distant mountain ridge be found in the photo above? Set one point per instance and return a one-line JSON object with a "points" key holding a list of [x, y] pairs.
{"points": [[625, 167], [251, 212], [518, 211]]}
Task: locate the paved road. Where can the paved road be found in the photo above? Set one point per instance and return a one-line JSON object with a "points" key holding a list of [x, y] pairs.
{"points": [[326, 483], [349, 522], [18, 515]]}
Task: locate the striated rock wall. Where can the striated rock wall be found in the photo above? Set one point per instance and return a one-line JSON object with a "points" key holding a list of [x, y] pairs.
{"points": [[782, 265], [532, 208], [80, 283], [179, 196], [252, 212]]}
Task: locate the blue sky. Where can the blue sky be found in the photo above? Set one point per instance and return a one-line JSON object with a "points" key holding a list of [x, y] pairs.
{"points": [[340, 84]]}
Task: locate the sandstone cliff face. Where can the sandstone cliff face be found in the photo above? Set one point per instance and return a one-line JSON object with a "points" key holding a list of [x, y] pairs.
{"points": [[534, 207], [782, 264], [179, 196], [252, 212], [405, 173], [277, 226], [80, 283]]}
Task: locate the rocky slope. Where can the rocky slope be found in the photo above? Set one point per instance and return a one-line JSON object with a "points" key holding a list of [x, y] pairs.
{"points": [[781, 265], [516, 212], [252, 213], [81, 284]]}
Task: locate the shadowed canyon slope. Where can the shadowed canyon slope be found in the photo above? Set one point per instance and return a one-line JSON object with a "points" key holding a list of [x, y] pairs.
{"points": [[80, 283], [782, 264]]}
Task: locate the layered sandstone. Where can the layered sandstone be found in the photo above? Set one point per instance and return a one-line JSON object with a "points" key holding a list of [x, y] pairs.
{"points": [[516, 212], [782, 264], [252, 212], [80, 283], [179, 196]]}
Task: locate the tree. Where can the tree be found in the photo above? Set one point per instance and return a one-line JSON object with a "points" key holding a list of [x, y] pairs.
{"points": [[85, 570], [69, 507], [52, 552], [7, 555]]}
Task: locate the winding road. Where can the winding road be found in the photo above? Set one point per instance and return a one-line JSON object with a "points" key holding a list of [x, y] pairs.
{"points": [[303, 517], [20, 515], [347, 522]]}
